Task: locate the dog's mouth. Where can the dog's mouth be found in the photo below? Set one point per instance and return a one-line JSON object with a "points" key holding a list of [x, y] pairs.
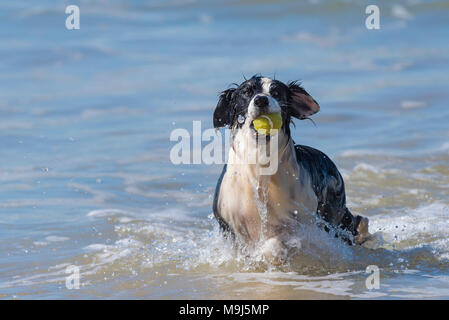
{"points": [[258, 135], [253, 130], [266, 124]]}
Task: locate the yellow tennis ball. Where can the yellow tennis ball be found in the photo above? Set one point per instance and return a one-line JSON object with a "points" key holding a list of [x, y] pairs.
{"points": [[266, 122]]}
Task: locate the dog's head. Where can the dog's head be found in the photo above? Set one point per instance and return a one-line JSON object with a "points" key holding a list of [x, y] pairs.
{"points": [[238, 107]]}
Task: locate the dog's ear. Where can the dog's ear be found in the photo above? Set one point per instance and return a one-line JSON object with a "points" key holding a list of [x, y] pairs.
{"points": [[224, 113], [302, 105]]}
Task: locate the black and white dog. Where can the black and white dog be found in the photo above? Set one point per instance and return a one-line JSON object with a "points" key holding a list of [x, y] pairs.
{"points": [[306, 188]]}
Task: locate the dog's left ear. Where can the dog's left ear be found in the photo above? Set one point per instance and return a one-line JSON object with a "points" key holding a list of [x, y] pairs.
{"points": [[302, 105], [224, 114]]}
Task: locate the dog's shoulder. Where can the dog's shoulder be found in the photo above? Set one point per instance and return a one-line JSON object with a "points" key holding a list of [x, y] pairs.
{"points": [[323, 173], [315, 160]]}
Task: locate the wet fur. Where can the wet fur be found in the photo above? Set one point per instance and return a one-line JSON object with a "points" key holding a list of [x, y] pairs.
{"points": [[307, 187]]}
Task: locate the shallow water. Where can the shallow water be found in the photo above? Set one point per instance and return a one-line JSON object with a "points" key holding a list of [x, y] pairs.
{"points": [[86, 117]]}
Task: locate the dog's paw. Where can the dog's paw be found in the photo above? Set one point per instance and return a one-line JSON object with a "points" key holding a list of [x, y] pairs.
{"points": [[362, 231], [274, 251]]}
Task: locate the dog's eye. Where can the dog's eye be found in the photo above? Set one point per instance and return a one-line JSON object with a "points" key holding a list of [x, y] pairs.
{"points": [[275, 94]]}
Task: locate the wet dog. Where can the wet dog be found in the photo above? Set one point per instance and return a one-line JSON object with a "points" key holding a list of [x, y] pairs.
{"points": [[306, 188]]}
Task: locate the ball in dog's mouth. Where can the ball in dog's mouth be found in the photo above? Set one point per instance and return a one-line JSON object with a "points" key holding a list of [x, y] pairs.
{"points": [[267, 124]]}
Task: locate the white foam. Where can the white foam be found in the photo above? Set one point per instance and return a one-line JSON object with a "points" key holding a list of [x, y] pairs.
{"points": [[105, 213], [329, 40], [95, 247], [413, 104], [56, 239], [415, 192], [401, 12], [367, 167], [40, 243], [125, 220], [428, 224], [350, 153], [107, 254]]}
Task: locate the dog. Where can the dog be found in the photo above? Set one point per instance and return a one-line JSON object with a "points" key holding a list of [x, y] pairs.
{"points": [[306, 187]]}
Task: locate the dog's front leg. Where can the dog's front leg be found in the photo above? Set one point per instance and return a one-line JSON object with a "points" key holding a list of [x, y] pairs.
{"points": [[274, 251], [362, 230]]}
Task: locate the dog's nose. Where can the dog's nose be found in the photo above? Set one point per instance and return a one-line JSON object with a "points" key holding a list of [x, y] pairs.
{"points": [[261, 101]]}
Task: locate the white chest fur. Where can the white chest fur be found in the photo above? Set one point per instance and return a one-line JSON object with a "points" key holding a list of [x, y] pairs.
{"points": [[259, 207]]}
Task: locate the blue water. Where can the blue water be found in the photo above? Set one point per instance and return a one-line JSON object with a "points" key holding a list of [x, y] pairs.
{"points": [[86, 116]]}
